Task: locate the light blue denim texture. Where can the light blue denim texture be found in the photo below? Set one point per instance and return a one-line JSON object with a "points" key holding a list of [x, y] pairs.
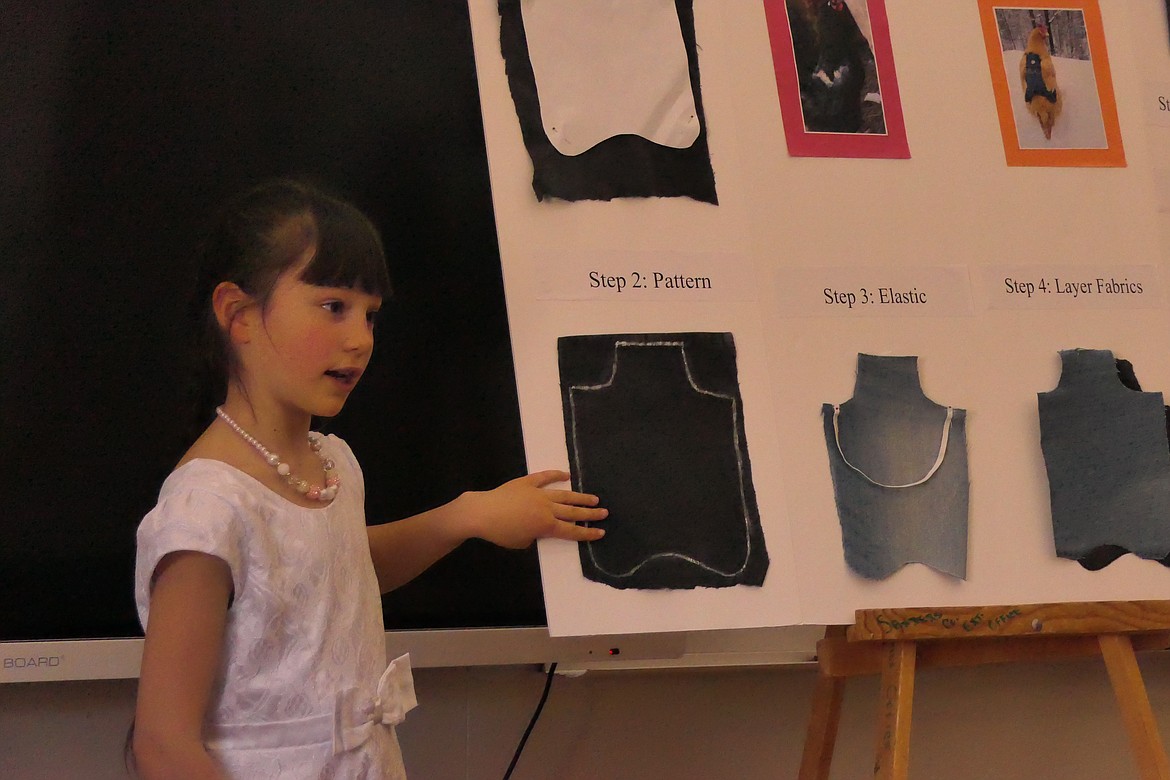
{"points": [[892, 432], [1107, 459]]}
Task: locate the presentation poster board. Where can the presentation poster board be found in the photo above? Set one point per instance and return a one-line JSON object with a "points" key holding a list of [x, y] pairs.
{"points": [[951, 266]]}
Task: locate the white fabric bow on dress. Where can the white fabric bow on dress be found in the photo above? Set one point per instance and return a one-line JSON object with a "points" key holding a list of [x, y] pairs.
{"points": [[357, 715]]}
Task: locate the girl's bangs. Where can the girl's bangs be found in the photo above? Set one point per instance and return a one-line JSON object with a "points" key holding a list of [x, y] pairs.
{"points": [[349, 252]]}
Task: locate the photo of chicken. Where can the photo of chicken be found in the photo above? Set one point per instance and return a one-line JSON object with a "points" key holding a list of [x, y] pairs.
{"points": [[835, 78], [1052, 89], [1044, 97], [833, 46]]}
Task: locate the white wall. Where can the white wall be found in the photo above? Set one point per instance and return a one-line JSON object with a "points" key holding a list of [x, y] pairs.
{"points": [[1014, 722]]}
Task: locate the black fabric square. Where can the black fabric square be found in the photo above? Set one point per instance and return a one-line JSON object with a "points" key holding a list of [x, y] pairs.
{"points": [[654, 424]]}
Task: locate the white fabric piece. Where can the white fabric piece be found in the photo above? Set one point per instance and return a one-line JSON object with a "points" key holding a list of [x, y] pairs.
{"points": [[304, 643], [610, 67]]}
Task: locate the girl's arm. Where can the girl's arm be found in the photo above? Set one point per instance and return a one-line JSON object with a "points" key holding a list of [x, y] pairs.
{"points": [[184, 636], [513, 515]]}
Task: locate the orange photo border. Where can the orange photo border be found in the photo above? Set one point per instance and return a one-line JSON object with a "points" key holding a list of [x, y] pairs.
{"points": [[1113, 156]]}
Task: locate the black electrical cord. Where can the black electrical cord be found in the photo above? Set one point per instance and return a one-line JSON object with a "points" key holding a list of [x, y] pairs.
{"points": [[552, 668]]}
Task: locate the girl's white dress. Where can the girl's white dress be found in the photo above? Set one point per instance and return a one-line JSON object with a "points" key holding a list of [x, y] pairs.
{"points": [[304, 690]]}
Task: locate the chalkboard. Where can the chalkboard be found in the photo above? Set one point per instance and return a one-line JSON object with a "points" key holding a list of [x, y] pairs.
{"points": [[125, 124]]}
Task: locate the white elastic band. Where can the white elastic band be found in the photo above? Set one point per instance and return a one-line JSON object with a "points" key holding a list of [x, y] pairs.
{"points": [[942, 451]]}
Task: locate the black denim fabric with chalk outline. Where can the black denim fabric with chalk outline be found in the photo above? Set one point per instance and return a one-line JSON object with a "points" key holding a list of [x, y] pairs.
{"points": [[655, 427]]}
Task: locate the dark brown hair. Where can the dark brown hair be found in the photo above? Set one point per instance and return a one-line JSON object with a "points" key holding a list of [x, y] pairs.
{"points": [[263, 232]]}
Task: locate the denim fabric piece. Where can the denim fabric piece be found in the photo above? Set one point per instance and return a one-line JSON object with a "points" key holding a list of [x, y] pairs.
{"points": [[892, 509], [1108, 463], [655, 427]]}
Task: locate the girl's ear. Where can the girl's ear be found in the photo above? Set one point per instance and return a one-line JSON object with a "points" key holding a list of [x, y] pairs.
{"points": [[230, 303]]}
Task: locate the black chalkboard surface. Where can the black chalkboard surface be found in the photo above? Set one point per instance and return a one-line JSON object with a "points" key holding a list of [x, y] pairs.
{"points": [[124, 123]]}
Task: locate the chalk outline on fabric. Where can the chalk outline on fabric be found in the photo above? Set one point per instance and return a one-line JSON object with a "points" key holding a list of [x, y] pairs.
{"points": [[938, 461], [738, 460]]}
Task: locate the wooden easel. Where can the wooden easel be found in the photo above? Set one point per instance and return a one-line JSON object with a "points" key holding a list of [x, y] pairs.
{"points": [[896, 642]]}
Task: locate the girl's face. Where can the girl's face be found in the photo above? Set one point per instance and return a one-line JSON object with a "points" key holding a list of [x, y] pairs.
{"points": [[310, 345]]}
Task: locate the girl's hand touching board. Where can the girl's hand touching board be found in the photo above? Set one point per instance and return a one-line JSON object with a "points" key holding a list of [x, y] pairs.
{"points": [[519, 512], [513, 515]]}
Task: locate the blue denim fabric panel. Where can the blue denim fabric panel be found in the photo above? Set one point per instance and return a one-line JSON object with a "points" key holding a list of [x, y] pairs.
{"points": [[894, 435], [1107, 460]]}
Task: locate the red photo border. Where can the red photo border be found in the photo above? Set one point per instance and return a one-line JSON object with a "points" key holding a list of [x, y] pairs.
{"points": [[803, 143]]}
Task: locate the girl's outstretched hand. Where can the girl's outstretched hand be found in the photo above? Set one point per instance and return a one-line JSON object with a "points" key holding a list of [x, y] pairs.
{"points": [[515, 514], [519, 512]]}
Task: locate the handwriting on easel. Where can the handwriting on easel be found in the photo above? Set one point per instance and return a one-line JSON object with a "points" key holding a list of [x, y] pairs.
{"points": [[980, 621], [991, 624]]}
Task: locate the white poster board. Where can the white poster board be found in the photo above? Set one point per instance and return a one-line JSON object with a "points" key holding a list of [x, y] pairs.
{"points": [[953, 222]]}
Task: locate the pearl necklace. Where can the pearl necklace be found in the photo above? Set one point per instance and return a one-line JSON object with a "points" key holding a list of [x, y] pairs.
{"points": [[302, 486]]}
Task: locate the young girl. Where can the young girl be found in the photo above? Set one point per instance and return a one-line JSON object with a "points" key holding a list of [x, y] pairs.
{"points": [[257, 579]]}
